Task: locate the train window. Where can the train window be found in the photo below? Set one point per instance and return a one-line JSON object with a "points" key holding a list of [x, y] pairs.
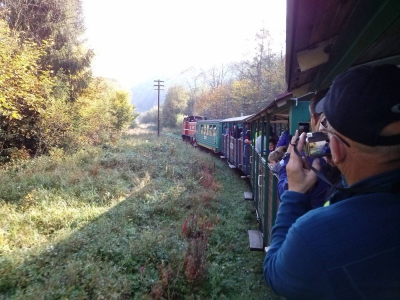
{"points": [[201, 129]]}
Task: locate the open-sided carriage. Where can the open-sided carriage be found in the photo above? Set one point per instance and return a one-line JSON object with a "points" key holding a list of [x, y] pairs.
{"points": [[282, 114], [234, 148]]}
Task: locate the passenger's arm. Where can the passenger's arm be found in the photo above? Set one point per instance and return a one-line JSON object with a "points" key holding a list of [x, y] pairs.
{"points": [[291, 268], [282, 177]]}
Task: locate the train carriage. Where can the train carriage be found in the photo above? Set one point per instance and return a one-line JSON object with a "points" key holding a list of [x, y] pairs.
{"points": [[282, 114], [235, 150], [209, 134]]}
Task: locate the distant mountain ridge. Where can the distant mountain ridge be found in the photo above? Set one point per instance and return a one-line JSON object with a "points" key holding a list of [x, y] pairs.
{"points": [[144, 96]]}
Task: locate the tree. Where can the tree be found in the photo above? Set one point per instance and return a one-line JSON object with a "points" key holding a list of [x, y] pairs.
{"points": [[150, 116], [217, 103], [175, 103], [93, 120], [24, 90], [121, 110], [55, 126], [216, 77], [102, 111], [62, 22], [265, 72]]}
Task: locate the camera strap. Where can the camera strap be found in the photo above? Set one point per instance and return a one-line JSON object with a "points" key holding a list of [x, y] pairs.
{"points": [[391, 187]]}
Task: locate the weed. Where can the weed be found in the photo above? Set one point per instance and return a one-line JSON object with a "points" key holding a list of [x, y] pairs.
{"points": [[195, 256]]}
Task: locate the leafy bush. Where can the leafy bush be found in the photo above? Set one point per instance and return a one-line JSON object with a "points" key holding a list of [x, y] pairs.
{"points": [[179, 120]]}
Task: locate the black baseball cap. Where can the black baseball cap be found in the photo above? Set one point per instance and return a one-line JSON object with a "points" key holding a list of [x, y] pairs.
{"points": [[362, 101]]}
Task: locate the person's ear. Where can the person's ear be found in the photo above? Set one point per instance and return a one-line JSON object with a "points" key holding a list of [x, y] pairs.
{"points": [[338, 149]]}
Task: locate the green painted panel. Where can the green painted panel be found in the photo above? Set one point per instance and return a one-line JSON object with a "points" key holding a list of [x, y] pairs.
{"points": [[209, 135], [299, 113]]}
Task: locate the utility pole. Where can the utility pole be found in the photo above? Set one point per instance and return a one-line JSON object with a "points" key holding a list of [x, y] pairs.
{"points": [[158, 85]]}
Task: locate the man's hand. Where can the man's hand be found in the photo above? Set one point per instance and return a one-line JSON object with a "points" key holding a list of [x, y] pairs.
{"points": [[300, 178]]}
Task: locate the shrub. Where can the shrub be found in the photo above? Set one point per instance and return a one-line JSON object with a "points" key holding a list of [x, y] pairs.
{"points": [[195, 256]]}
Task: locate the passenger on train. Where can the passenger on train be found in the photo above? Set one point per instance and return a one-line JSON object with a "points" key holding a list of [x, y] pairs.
{"points": [[247, 147], [320, 193], [271, 145], [349, 249], [247, 136], [273, 135], [272, 141], [259, 141], [236, 131], [226, 130], [284, 139], [275, 157]]}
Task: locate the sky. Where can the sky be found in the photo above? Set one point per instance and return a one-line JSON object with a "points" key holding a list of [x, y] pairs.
{"points": [[135, 40]]}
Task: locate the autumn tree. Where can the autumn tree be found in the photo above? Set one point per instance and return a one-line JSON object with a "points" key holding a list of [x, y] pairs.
{"points": [[175, 103], [24, 90], [216, 77], [217, 103], [265, 72], [121, 110], [48, 97], [101, 111], [150, 116], [60, 21], [242, 87], [195, 87], [55, 127]]}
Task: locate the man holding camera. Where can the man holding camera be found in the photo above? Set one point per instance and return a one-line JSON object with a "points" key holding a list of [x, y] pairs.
{"points": [[351, 248]]}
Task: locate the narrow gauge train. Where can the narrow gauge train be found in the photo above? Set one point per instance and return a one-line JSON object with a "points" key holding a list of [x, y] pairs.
{"points": [[224, 136], [227, 137], [323, 39]]}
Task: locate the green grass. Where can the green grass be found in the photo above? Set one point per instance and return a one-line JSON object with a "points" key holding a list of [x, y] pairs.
{"points": [[106, 223]]}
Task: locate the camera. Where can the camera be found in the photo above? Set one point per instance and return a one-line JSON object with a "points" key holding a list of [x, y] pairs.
{"points": [[303, 127], [317, 144]]}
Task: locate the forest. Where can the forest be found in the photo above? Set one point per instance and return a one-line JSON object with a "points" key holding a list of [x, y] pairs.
{"points": [[238, 88], [49, 98]]}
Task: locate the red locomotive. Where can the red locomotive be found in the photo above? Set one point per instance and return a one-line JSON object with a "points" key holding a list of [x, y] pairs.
{"points": [[189, 128]]}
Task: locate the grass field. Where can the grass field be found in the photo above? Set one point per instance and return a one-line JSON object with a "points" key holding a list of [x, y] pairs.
{"points": [[146, 218]]}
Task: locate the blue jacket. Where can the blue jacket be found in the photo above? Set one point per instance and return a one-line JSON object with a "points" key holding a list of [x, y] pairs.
{"points": [[284, 139], [317, 194], [348, 250]]}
